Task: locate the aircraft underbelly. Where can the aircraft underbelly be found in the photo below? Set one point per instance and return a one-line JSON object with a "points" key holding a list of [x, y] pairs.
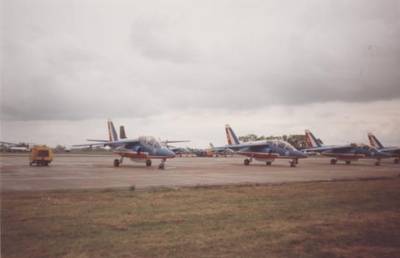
{"points": [[344, 156], [139, 157], [265, 159], [133, 155], [260, 155]]}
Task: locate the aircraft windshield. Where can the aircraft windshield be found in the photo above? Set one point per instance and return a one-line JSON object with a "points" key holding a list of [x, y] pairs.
{"points": [[284, 145], [149, 140], [367, 147]]}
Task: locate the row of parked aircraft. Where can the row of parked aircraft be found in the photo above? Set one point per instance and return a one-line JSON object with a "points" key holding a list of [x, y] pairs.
{"points": [[146, 148], [15, 147]]}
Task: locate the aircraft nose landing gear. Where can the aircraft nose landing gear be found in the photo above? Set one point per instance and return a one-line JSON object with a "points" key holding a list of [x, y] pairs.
{"points": [[247, 162], [333, 161], [162, 164]]}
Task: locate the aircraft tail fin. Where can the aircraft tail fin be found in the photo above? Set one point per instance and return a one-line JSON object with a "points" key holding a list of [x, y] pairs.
{"points": [[211, 145], [311, 141], [231, 136], [374, 141], [122, 133], [112, 134]]}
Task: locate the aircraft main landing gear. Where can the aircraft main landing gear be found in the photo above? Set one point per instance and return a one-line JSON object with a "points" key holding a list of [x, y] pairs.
{"points": [[378, 162], [396, 161], [118, 162], [269, 163], [348, 162], [148, 163], [333, 161], [247, 162], [292, 163]]}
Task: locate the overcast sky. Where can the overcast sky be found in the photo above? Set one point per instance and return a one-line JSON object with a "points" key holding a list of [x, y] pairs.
{"points": [[183, 69]]}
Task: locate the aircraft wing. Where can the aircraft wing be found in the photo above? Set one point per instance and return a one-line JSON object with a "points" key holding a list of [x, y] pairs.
{"points": [[8, 143], [253, 146], [219, 148], [108, 143], [391, 149], [88, 145], [93, 140], [259, 148], [343, 148], [249, 147], [167, 142], [122, 142]]}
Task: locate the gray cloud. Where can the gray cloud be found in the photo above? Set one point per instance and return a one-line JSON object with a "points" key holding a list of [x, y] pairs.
{"points": [[131, 59]]}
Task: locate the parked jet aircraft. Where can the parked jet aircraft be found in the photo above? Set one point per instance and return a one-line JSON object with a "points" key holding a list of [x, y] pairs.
{"points": [[264, 151], [347, 153], [15, 147], [393, 151], [179, 151], [220, 151], [142, 149]]}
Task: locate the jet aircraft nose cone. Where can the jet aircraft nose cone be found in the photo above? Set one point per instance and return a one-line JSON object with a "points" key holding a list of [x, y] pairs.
{"points": [[383, 155], [301, 154], [167, 153], [171, 154]]}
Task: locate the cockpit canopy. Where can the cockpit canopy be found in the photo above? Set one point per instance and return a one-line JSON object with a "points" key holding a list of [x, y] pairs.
{"points": [[149, 140], [362, 146], [367, 147], [282, 144]]}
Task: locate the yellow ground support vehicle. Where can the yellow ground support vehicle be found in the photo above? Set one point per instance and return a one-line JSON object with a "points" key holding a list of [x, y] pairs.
{"points": [[41, 155]]}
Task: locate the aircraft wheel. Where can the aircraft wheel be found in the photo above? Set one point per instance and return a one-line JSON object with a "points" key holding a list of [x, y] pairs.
{"points": [[378, 163], [292, 164], [30, 164], [246, 162], [148, 163], [348, 162], [269, 163], [116, 162], [333, 161], [161, 166], [396, 161]]}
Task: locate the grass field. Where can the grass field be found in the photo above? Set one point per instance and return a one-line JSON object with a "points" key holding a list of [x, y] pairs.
{"points": [[328, 219]]}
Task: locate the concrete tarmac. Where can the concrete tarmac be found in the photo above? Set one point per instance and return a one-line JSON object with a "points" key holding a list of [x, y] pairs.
{"points": [[71, 171]]}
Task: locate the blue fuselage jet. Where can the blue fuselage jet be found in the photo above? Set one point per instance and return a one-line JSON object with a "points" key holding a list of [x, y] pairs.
{"points": [[142, 149], [347, 153], [392, 151], [265, 151]]}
